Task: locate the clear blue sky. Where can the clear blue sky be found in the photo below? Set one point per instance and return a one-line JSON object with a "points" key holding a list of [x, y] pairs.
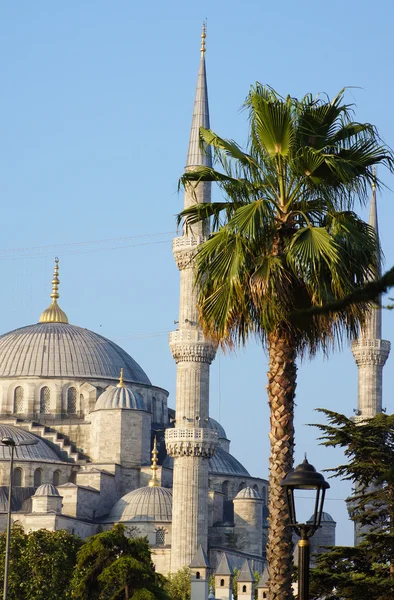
{"points": [[96, 106]]}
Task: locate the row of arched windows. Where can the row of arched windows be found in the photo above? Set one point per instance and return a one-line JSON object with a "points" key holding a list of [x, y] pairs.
{"points": [[18, 477], [45, 400]]}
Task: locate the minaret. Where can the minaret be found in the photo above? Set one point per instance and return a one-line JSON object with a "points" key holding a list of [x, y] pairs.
{"points": [[191, 443], [370, 351]]}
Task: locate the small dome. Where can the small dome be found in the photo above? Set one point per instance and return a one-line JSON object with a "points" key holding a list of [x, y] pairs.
{"points": [[120, 397], [248, 493], [325, 518], [46, 489], [215, 426], [144, 504]]}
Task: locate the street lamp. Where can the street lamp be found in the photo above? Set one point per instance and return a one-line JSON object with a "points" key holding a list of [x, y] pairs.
{"points": [[304, 477], [7, 441]]}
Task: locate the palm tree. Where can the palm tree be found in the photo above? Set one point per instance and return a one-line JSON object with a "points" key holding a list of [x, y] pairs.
{"points": [[286, 239]]}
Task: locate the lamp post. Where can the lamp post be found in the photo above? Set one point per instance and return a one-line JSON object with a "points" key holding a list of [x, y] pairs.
{"points": [[11, 444], [304, 477]]}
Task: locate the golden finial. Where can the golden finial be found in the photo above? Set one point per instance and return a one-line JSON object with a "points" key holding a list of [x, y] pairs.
{"points": [[203, 36], [121, 383], [54, 314], [154, 482]]}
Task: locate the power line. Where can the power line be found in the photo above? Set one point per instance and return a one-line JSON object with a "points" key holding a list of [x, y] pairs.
{"points": [[82, 247]]}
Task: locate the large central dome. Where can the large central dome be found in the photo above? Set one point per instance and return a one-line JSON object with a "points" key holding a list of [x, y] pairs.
{"points": [[63, 350]]}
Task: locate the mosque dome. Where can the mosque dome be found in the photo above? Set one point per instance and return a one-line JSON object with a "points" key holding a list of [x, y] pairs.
{"points": [[46, 489], [215, 426], [120, 396], [144, 504], [226, 464], [39, 452], [63, 350], [325, 518], [247, 493], [221, 463], [53, 348]]}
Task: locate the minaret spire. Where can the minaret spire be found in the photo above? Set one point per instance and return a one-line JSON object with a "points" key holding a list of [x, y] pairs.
{"points": [[191, 443], [370, 351], [196, 157]]}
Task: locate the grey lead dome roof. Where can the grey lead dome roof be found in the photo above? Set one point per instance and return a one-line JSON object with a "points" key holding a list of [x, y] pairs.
{"points": [[120, 397], [63, 350], [144, 504], [38, 452], [222, 463]]}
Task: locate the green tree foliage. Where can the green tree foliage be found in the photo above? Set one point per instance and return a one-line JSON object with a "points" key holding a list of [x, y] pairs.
{"points": [[178, 585], [286, 240], [41, 564], [112, 566], [365, 572]]}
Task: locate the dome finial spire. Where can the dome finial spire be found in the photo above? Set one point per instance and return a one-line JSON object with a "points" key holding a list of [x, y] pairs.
{"points": [[121, 383], [154, 482], [203, 36], [54, 314]]}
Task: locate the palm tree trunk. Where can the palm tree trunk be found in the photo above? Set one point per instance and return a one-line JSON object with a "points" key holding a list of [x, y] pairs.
{"points": [[281, 392]]}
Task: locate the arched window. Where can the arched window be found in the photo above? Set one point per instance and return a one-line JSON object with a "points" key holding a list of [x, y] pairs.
{"points": [[244, 588], [71, 400], [198, 575], [56, 478], [17, 477], [45, 400], [264, 595], [264, 495], [37, 477], [242, 486], [222, 583], [225, 490], [256, 489], [160, 537], [18, 399]]}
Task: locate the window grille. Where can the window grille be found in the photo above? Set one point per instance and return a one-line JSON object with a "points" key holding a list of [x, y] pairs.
{"points": [[17, 478], [72, 400], [56, 478], [18, 399], [45, 400], [160, 537], [37, 477]]}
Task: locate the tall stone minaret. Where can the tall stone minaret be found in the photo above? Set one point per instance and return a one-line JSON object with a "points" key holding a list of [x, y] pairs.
{"points": [[370, 351], [191, 443]]}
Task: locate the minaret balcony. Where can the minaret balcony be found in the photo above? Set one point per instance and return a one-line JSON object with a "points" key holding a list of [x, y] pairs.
{"points": [[196, 441], [191, 345], [370, 352], [184, 250]]}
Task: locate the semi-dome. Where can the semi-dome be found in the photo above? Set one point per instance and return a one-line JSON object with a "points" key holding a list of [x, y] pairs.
{"points": [[144, 504], [216, 426], [247, 493], [39, 452], [120, 396], [63, 350], [226, 464], [46, 489], [221, 463]]}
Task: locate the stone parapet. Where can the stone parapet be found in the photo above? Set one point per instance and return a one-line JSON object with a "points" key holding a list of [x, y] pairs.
{"points": [[190, 345], [197, 441], [184, 250], [370, 352]]}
